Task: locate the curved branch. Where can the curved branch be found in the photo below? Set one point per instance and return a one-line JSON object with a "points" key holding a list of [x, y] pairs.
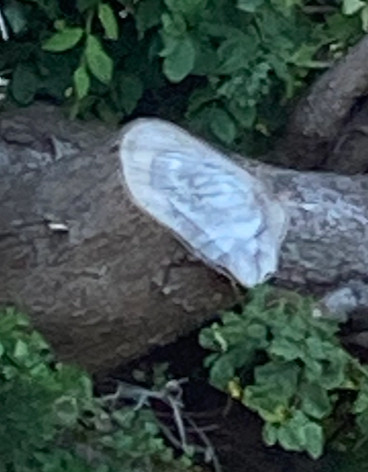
{"points": [[319, 117]]}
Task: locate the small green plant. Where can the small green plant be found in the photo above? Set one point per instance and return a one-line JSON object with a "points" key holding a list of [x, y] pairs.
{"points": [[51, 422], [288, 366]]}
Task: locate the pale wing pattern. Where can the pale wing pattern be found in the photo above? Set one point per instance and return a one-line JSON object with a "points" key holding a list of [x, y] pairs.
{"points": [[217, 209]]}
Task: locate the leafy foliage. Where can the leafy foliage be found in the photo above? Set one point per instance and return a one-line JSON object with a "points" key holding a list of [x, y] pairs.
{"points": [[50, 421], [244, 60], [289, 367]]}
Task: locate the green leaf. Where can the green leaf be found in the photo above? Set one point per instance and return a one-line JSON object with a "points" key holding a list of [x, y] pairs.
{"points": [[286, 349], [130, 91], [283, 376], [238, 51], [66, 410], [108, 21], [99, 63], [314, 439], [257, 331], [15, 14], [107, 113], [245, 116], [81, 81], [300, 434], [291, 435], [249, 6], [361, 403], [352, 6], [333, 372], [187, 7], [362, 422], [63, 40], [222, 371], [24, 84], [21, 350], [364, 17], [269, 402], [173, 25], [199, 98], [269, 434], [315, 401], [318, 348], [223, 126], [179, 58], [147, 16], [84, 5]]}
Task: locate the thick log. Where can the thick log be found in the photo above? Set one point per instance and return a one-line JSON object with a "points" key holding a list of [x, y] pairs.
{"points": [[105, 282]]}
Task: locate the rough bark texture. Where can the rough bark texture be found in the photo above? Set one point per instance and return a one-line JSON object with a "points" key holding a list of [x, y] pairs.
{"points": [[111, 282], [330, 117]]}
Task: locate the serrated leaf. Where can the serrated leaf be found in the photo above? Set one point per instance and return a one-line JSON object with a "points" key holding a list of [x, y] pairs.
{"points": [[99, 63], [223, 126], [63, 40], [24, 84], [352, 6], [107, 18], [179, 59], [81, 81]]}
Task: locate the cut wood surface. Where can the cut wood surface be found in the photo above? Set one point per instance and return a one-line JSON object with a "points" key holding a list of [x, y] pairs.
{"points": [[104, 281]]}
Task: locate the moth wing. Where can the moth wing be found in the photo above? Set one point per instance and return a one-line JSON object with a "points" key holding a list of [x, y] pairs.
{"points": [[221, 212]]}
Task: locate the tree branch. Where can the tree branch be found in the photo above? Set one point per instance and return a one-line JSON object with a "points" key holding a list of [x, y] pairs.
{"points": [[319, 118]]}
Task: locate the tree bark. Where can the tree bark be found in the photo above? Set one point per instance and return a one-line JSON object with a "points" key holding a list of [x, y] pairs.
{"points": [[105, 282], [329, 117]]}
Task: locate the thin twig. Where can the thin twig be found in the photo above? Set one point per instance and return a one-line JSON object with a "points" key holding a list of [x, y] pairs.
{"points": [[171, 394], [210, 450]]}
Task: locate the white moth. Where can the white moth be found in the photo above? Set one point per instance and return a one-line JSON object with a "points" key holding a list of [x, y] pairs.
{"points": [[223, 214]]}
